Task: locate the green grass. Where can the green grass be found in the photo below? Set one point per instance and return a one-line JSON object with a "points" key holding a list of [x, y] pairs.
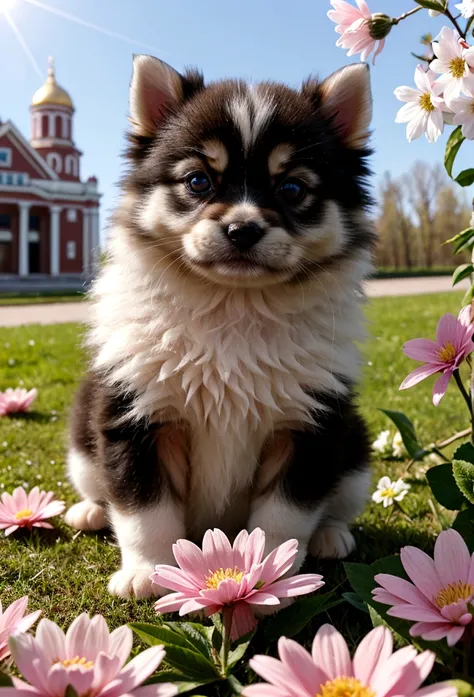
{"points": [[66, 573], [30, 298]]}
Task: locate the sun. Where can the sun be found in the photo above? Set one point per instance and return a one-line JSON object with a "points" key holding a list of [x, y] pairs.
{"points": [[6, 5]]}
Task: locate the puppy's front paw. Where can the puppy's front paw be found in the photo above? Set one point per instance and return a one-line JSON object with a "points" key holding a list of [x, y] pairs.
{"points": [[86, 515], [134, 582], [332, 542]]}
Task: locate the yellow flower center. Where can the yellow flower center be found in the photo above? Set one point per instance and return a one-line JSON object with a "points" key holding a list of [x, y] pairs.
{"points": [[25, 513], [447, 353], [76, 661], [345, 687], [426, 103], [213, 580], [453, 593], [388, 493], [457, 67]]}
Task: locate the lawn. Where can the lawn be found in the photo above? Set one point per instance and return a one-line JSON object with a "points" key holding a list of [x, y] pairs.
{"points": [[31, 298], [65, 572]]}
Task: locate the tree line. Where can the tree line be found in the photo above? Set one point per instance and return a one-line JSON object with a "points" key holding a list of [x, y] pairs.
{"points": [[417, 212]]}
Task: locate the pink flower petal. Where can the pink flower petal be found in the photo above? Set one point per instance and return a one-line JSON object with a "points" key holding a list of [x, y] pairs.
{"points": [[403, 589], [279, 561], [330, 650], [140, 668], [419, 374], [120, 643], [414, 674], [451, 557], [218, 553], [165, 689], [190, 558], [454, 635], [441, 385], [175, 579], [421, 570], [261, 689], [262, 598], [76, 636], [373, 650], [52, 641], [243, 621], [298, 661], [277, 674], [422, 350], [441, 689], [446, 329], [430, 630], [296, 585]]}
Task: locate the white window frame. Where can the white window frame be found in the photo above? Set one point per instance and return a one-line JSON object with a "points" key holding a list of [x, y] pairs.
{"points": [[71, 250], [6, 236], [71, 215], [8, 162]]}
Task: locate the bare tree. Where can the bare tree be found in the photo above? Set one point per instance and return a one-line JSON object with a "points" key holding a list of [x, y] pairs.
{"points": [[423, 184]]}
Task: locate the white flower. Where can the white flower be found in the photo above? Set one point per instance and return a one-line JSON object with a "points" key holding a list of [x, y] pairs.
{"points": [[466, 8], [382, 443], [397, 445], [387, 491], [423, 112], [453, 60], [463, 108], [434, 13]]}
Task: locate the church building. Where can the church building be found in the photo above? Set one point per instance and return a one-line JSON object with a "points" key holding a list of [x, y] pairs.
{"points": [[49, 216]]}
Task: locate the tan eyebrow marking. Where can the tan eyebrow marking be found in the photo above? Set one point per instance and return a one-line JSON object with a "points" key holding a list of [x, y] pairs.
{"points": [[216, 154], [304, 173], [279, 157], [184, 167]]}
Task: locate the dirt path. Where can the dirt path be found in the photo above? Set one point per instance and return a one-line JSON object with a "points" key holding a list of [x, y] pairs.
{"points": [[59, 313]]}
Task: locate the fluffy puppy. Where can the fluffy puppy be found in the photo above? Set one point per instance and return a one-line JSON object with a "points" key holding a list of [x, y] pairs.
{"points": [[225, 321]]}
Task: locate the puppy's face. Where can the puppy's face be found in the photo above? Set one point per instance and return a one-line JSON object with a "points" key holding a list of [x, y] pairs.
{"points": [[247, 185]]}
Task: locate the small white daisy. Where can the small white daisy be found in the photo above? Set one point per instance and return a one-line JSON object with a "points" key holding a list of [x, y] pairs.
{"points": [[387, 491], [383, 443], [397, 445]]}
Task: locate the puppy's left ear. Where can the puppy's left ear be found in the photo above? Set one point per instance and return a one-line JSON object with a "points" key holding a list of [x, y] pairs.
{"points": [[346, 98]]}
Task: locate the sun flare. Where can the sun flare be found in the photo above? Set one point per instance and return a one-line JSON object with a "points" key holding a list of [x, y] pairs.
{"points": [[6, 5]]}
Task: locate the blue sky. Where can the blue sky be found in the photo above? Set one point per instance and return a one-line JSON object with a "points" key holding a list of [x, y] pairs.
{"points": [[256, 39]]}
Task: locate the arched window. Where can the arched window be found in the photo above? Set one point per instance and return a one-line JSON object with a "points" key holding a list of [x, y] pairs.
{"points": [[65, 124], [54, 161], [59, 126], [44, 125], [69, 165]]}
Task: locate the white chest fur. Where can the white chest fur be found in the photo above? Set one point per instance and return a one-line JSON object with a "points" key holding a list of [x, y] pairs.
{"points": [[235, 364]]}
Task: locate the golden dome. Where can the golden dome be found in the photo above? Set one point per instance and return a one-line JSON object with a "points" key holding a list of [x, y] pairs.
{"points": [[51, 92]]}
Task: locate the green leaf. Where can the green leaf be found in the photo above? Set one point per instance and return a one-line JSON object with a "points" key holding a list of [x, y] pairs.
{"points": [[355, 601], [293, 619], [5, 680], [239, 652], [180, 652], [178, 679], [464, 524], [462, 272], [461, 236], [469, 296], [431, 5], [444, 487], [455, 140], [464, 475], [216, 639], [465, 452], [195, 634], [407, 432], [464, 688], [465, 178]]}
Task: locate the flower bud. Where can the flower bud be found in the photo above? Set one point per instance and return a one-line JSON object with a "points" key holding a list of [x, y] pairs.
{"points": [[380, 25]]}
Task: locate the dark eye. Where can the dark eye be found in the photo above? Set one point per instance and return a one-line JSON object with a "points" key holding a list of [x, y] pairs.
{"points": [[198, 183], [292, 190]]}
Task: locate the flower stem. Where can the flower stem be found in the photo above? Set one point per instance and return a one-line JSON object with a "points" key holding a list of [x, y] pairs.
{"points": [[463, 391], [227, 614], [396, 20], [454, 21], [438, 452], [466, 656]]}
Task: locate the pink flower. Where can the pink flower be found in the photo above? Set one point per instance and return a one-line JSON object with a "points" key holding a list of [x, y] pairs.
{"points": [[13, 620], [373, 672], [16, 401], [88, 658], [22, 510], [438, 599], [423, 111], [453, 343], [355, 27], [454, 61], [224, 576]]}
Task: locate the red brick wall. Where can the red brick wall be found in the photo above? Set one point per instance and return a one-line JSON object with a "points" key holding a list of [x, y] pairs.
{"points": [[71, 232], [19, 162]]}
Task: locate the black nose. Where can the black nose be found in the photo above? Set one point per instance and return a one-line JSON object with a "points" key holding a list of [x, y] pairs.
{"points": [[244, 235]]}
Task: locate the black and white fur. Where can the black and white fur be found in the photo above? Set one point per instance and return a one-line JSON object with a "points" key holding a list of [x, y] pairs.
{"points": [[221, 390]]}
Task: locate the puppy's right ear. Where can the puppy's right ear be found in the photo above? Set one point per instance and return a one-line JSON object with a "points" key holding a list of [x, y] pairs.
{"points": [[156, 91]]}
